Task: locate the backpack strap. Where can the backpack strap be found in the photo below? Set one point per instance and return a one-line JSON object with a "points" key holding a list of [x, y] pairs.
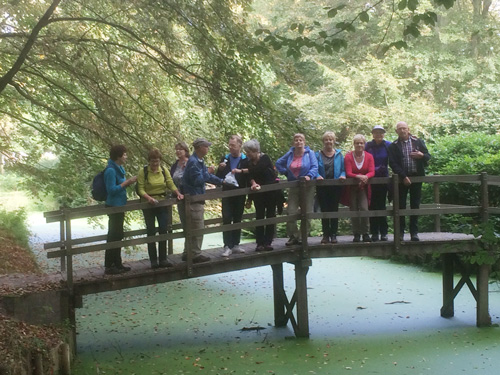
{"points": [[145, 174], [163, 170]]}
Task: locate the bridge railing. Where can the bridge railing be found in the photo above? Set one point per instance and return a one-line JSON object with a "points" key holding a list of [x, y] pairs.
{"points": [[67, 246]]}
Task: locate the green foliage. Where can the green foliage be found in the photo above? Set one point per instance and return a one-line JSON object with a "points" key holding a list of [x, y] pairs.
{"points": [[14, 224], [466, 153], [488, 239]]}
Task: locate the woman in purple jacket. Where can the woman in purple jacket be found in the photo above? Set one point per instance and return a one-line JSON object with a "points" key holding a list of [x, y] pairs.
{"points": [[299, 161]]}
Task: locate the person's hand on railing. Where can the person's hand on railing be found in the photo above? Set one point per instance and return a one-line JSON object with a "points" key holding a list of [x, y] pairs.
{"points": [[255, 187], [363, 180], [407, 181], [320, 177], [150, 199]]}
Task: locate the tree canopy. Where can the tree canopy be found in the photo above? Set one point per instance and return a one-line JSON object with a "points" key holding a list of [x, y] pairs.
{"points": [[78, 76]]}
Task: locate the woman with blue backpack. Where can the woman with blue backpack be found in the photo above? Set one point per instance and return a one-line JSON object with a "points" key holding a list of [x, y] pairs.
{"points": [[116, 185]]}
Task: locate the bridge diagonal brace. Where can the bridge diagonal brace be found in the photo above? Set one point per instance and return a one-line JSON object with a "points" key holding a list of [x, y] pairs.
{"points": [[480, 293], [283, 308]]}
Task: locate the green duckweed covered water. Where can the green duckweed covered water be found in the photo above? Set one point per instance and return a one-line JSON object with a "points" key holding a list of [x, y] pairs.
{"points": [[366, 316]]}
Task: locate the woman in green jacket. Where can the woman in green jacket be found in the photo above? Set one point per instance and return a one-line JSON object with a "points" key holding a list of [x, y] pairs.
{"points": [[153, 182]]}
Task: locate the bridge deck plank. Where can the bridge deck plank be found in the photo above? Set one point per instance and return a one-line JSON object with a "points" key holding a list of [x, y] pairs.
{"points": [[93, 280]]}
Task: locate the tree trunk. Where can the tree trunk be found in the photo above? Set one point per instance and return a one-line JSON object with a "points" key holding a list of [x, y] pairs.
{"points": [[7, 78]]}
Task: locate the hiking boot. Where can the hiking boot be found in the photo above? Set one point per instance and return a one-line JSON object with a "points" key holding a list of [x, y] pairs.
{"points": [[383, 237], [333, 238], [357, 238], [268, 247], [414, 237], [154, 264], [325, 240], [260, 248], [124, 268], [292, 241], [227, 251], [375, 237], [366, 238]]}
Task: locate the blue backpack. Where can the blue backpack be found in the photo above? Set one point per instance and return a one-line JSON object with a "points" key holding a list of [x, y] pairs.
{"points": [[99, 192]]}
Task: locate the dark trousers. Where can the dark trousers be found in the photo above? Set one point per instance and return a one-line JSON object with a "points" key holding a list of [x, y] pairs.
{"points": [[265, 208], [378, 225], [232, 212], [328, 199], [113, 257], [415, 190], [151, 215]]}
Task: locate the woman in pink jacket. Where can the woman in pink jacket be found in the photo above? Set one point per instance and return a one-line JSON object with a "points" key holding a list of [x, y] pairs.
{"points": [[359, 165]]}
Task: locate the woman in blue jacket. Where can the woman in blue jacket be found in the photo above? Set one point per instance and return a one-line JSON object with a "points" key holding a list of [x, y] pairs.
{"points": [[299, 161], [116, 185], [330, 166]]}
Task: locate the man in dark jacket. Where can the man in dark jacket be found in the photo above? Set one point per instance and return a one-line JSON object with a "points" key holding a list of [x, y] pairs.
{"points": [[196, 175], [232, 207], [408, 157]]}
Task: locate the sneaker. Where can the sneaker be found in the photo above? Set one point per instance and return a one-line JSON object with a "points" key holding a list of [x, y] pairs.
{"points": [[325, 240], [227, 251], [165, 263], [124, 268], [268, 247], [414, 237], [260, 248], [237, 249], [375, 237], [291, 241], [383, 237], [333, 238], [366, 238], [357, 238], [154, 264], [200, 259]]}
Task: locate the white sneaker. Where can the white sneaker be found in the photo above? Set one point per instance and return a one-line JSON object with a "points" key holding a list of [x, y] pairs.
{"points": [[237, 249], [227, 251]]}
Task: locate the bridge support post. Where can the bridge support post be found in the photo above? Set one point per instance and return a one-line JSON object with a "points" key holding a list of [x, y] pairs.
{"points": [[448, 309], [301, 269], [280, 301], [483, 318], [283, 308]]}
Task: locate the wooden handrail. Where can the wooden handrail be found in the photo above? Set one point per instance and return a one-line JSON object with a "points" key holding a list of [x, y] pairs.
{"points": [[69, 246]]}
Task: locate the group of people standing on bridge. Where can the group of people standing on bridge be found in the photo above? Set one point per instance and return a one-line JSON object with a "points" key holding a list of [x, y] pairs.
{"points": [[246, 166]]}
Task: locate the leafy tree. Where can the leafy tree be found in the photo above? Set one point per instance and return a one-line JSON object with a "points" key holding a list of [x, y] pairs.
{"points": [[141, 73]]}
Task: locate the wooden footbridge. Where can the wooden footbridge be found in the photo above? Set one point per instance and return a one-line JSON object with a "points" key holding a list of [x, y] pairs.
{"points": [[293, 309]]}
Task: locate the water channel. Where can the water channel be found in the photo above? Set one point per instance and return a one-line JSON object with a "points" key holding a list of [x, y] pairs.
{"points": [[366, 316]]}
